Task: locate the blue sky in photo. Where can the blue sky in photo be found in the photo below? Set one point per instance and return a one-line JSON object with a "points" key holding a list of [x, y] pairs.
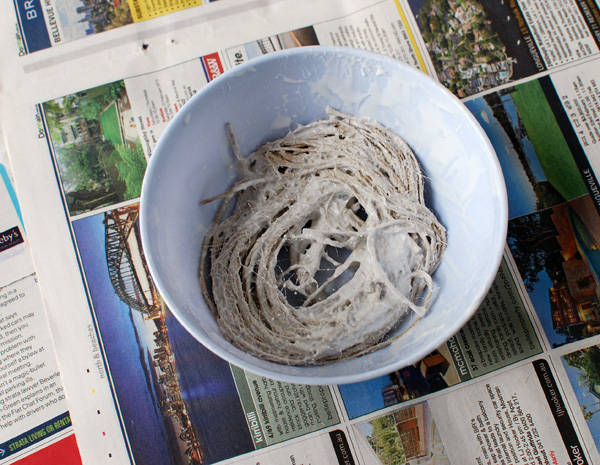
{"points": [[584, 397], [365, 397]]}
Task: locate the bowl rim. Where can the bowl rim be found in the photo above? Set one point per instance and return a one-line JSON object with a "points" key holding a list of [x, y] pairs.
{"points": [[494, 258]]}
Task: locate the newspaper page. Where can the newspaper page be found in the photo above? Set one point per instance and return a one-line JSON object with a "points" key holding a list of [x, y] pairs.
{"points": [[34, 416], [518, 384]]}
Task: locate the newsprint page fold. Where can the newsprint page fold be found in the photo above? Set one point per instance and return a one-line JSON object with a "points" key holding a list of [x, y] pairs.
{"points": [[95, 369]]}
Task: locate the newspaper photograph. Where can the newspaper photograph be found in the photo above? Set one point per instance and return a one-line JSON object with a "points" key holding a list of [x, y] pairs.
{"points": [[97, 148], [403, 437], [541, 167], [561, 271], [583, 370]]}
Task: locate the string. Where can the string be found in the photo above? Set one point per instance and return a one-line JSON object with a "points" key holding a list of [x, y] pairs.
{"points": [[329, 245]]}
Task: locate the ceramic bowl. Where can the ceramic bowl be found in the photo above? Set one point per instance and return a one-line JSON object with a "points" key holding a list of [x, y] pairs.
{"points": [[266, 97]]}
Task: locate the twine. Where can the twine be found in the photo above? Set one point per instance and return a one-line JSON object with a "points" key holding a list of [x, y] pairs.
{"points": [[328, 246]]}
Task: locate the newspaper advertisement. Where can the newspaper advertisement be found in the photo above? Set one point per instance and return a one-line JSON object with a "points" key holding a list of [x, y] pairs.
{"points": [[42, 24], [518, 384], [34, 416], [518, 417]]}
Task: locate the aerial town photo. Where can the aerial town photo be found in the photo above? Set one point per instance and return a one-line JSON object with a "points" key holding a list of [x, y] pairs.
{"points": [[474, 44]]}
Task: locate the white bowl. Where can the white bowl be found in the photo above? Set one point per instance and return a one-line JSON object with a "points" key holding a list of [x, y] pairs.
{"points": [[262, 99]]}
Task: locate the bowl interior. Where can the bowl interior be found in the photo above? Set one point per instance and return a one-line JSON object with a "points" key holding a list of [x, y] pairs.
{"points": [[263, 99]]}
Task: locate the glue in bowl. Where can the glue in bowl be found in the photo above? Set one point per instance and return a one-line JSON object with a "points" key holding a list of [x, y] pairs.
{"points": [[266, 97]]}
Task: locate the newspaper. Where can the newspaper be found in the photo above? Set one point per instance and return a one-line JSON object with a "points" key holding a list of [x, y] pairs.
{"points": [[33, 409], [519, 384]]}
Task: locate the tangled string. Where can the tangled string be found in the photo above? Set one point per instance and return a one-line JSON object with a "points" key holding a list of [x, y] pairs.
{"points": [[327, 247]]}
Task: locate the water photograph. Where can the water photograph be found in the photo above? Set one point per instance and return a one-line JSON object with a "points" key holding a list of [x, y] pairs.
{"points": [[166, 384], [538, 165]]}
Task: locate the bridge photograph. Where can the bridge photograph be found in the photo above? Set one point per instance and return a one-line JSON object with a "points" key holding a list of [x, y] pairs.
{"points": [[167, 384]]}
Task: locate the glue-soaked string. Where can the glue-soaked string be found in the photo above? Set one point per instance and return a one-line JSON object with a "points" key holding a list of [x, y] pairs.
{"points": [[328, 247]]}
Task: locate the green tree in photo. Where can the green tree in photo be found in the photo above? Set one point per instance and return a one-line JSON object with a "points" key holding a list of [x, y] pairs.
{"points": [[121, 16], [435, 24], [54, 114], [461, 50], [588, 413], [69, 106], [131, 166], [427, 35], [113, 91], [96, 168], [478, 25], [444, 8], [89, 108], [588, 361], [535, 248], [89, 103], [487, 56], [81, 162], [53, 110], [547, 195], [386, 441]]}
